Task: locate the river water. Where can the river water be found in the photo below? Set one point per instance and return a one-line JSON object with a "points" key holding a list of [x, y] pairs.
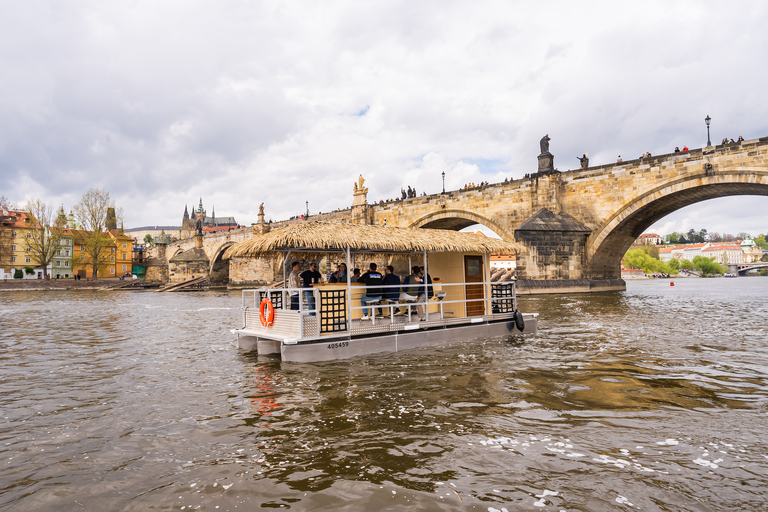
{"points": [[651, 399]]}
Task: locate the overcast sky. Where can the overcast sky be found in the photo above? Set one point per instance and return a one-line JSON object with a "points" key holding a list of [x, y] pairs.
{"points": [[244, 102]]}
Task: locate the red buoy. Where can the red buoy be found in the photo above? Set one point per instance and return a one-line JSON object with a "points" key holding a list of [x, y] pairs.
{"points": [[671, 283]]}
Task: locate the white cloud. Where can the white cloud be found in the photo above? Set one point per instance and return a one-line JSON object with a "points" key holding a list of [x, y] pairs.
{"points": [[287, 103]]}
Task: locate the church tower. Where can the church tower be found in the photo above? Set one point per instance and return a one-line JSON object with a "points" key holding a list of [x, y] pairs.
{"points": [[185, 219]]}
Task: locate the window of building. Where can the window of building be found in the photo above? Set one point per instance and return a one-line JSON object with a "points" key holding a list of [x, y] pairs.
{"points": [[125, 256], [111, 270], [112, 259], [66, 253], [125, 268], [28, 259], [82, 257], [82, 248], [13, 247], [13, 259], [13, 234], [28, 248], [124, 247], [58, 253], [111, 249], [66, 263], [29, 235]]}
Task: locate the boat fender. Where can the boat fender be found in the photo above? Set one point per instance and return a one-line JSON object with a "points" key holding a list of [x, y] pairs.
{"points": [[268, 318], [519, 322]]}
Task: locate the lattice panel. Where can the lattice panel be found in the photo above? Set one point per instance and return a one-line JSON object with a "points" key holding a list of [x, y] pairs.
{"points": [[276, 298], [333, 310], [503, 297]]}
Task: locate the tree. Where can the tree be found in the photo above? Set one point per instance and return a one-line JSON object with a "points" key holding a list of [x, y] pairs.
{"points": [[148, 239], [91, 213], [639, 258], [715, 237], [761, 242], [707, 265], [743, 236], [45, 234], [686, 265]]}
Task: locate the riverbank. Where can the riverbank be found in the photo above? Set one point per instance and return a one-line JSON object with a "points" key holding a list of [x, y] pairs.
{"points": [[11, 285]]}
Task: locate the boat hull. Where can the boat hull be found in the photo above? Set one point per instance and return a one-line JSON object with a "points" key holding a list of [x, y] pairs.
{"points": [[345, 347]]}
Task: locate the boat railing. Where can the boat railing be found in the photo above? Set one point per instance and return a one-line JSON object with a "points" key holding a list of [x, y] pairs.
{"points": [[318, 314]]}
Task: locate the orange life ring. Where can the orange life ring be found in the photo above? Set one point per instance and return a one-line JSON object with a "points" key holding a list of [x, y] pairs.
{"points": [[268, 319]]}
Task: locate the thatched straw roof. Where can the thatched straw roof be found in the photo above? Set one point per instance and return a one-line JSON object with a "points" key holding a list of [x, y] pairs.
{"points": [[332, 236]]}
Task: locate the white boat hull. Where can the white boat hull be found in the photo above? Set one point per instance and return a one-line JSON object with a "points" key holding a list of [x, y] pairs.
{"points": [[345, 347]]}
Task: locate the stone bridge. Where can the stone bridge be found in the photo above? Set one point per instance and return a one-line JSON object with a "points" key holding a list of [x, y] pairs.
{"points": [[743, 268], [576, 225]]}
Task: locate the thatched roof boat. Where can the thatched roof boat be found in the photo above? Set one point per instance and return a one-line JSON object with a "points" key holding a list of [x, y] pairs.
{"points": [[333, 237]]}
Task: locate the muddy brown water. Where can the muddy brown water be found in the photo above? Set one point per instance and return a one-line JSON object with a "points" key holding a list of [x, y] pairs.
{"points": [[651, 399]]}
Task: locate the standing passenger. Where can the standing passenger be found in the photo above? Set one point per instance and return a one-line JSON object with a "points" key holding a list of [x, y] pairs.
{"points": [[294, 281], [310, 277]]}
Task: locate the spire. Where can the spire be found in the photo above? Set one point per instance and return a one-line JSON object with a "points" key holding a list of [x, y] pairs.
{"points": [[200, 208], [213, 212], [186, 213]]}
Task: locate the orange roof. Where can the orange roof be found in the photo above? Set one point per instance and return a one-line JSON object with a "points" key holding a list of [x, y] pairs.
{"points": [[19, 220]]}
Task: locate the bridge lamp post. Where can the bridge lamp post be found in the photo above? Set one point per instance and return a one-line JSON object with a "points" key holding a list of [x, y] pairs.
{"points": [[443, 173], [307, 208], [708, 120]]}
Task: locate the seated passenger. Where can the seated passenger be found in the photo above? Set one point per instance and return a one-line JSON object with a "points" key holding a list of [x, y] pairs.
{"points": [[372, 279], [391, 295]]}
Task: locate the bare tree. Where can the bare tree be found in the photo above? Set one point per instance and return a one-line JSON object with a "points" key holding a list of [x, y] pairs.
{"points": [[6, 204], [91, 213], [46, 234]]}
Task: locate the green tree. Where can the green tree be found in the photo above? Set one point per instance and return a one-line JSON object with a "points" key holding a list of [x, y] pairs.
{"points": [[148, 239], [761, 242], [686, 265], [707, 266], [674, 264], [639, 258]]}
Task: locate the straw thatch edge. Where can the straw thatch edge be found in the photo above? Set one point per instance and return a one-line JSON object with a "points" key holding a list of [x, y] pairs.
{"points": [[334, 237]]}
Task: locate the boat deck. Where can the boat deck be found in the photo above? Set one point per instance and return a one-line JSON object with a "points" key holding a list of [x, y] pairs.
{"points": [[381, 325]]}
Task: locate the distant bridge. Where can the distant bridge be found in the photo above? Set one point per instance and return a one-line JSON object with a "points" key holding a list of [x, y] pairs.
{"points": [[576, 225], [742, 268]]}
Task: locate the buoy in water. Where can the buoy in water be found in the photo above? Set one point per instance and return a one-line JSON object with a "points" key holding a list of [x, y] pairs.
{"points": [[671, 283]]}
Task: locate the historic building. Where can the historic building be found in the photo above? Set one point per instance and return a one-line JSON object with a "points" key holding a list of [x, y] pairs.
{"points": [[209, 224]]}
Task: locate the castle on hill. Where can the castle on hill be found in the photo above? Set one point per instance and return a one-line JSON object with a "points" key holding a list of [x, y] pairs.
{"points": [[209, 224]]}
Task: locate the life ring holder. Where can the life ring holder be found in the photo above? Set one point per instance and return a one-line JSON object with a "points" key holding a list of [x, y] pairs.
{"points": [[269, 318]]}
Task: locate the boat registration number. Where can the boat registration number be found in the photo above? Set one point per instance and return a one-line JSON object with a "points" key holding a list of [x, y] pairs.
{"points": [[341, 344]]}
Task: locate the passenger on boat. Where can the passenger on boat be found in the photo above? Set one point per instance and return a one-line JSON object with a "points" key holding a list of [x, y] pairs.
{"points": [[340, 276], [372, 279], [391, 295], [412, 288], [310, 277], [425, 295], [294, 281], [355, 275]]}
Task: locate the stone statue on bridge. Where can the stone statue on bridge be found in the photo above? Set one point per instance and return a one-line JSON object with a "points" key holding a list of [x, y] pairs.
{"points": [[544, 143], [584, 160]]}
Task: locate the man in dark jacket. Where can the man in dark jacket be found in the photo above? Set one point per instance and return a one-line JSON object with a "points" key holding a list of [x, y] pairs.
{"points": [[310, 277], [372, 279], [391, 295]]}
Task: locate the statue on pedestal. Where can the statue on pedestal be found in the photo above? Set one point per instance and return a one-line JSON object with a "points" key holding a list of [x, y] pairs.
{"points": [[584, 161], [544, 143]]}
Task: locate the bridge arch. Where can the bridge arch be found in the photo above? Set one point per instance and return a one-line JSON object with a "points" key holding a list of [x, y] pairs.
{"points": [[219, 268], [456, 220], [608, 244]]}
